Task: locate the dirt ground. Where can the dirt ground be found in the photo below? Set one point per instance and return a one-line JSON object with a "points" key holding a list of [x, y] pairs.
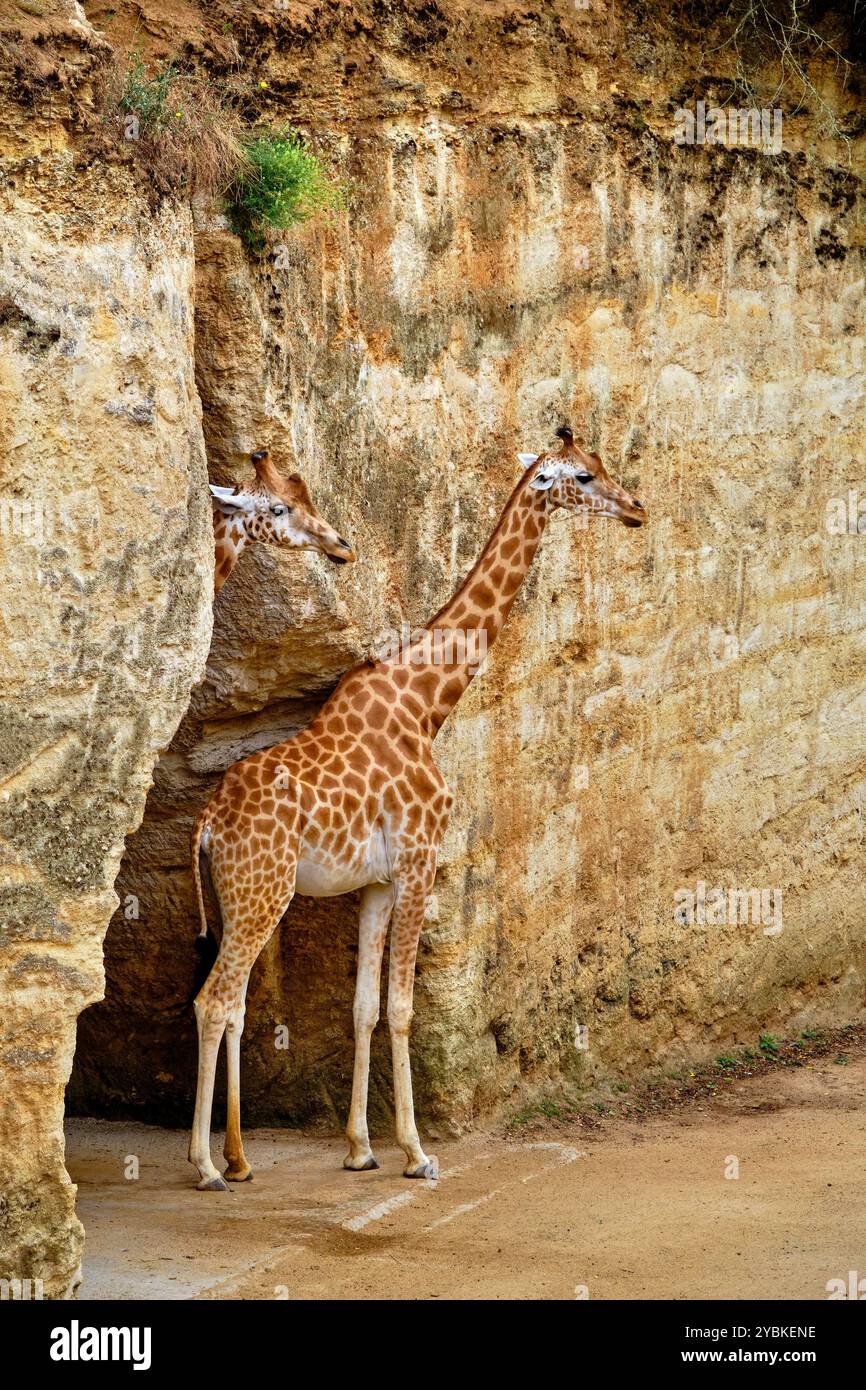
{"points": [[637, 1208]]}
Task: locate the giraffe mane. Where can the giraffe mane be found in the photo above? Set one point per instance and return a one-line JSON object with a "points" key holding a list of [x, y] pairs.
{"points": [[466, 584]]}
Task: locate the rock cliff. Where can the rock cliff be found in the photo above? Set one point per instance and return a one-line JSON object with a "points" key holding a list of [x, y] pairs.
{"points": [[524, 242], [107, 583]]}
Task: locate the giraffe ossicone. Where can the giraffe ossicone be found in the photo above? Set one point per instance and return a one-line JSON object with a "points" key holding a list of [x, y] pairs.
{"points": [[356, 801], [272, 509]]}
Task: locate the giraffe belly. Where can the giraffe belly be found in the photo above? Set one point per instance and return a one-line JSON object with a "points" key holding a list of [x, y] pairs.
{"points": [[318, 877], [327, 880]]}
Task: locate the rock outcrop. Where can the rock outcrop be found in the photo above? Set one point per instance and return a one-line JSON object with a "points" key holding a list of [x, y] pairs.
{"points": [[107, 584]]}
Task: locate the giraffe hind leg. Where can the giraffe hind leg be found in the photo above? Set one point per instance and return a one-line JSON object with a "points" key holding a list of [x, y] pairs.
{"points": [[238, 1169], [219, 1008], [413, 873], [376, 903], [211, 1026]]}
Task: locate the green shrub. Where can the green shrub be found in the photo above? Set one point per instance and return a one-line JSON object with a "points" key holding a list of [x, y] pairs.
{"points": [[283, 182]]}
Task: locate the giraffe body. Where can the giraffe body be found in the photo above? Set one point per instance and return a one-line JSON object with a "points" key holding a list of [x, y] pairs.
{"points": [[356, 801]]}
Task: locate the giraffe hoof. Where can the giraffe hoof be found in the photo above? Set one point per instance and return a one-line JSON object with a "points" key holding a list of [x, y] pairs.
{"points": [[428, 1169], [213, 1185], [238, 1174], [353, 1166]]}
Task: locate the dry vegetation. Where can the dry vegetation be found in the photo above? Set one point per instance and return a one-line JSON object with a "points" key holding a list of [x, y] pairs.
{"points": [[693, 1086], [180, 127], [187, 132]]}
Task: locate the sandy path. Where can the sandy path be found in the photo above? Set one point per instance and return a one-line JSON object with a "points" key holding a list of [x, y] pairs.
{"points": [[637, 1210]]}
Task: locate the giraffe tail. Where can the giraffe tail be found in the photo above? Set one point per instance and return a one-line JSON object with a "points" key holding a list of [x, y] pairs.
{"points": [[206, 943], [198, 852]]}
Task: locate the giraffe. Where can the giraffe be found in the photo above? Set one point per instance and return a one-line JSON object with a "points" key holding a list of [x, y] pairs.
{"points": [[273, 509], [356, 801]]}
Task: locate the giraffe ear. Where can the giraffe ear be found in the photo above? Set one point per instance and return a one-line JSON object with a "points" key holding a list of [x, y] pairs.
{"points": [[543, 479], [227, 500], [527, 459]]}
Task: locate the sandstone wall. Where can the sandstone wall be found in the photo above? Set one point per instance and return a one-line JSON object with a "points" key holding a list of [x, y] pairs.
{"points": [[106, 583], [525, 244]]}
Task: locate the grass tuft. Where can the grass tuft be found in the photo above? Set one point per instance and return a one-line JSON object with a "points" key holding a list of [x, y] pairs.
{"points": [[178, 126], [145, 97]]}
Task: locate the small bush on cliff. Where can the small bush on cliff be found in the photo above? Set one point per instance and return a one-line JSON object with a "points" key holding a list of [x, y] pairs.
{"points": [[184, 130], [283, 182], [178, 126]]}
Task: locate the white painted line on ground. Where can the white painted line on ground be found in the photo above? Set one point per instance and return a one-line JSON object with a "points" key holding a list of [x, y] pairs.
{"points": [[462, 1210], [401, 1199], [564, 1154], [357, 1223]]}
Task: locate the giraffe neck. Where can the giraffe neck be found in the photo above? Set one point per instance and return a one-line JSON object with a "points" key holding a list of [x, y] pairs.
{"points": [[448, 654], [230, 537]]}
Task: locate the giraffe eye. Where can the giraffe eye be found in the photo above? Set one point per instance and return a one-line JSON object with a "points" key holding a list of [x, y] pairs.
{"points": [[584, 477], [279, 511]]}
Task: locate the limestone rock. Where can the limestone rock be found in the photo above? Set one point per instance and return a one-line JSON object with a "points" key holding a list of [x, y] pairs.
{"points": [[683, 705], [676, 705], [106, 615]]}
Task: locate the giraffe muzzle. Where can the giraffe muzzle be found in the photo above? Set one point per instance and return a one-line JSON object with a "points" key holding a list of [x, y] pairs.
{"points": [[637, 516], [347, 559]]}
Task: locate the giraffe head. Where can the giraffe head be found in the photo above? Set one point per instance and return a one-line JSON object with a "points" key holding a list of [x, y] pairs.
{"points": [[580, 482], [273, 509]]}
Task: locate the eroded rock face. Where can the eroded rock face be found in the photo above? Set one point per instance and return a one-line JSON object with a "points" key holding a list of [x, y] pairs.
{"points": [[107, 584], [667, 707]]}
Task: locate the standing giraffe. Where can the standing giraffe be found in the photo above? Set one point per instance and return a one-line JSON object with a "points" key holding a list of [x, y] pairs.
{"points": [[357, 801], [273, 509]]}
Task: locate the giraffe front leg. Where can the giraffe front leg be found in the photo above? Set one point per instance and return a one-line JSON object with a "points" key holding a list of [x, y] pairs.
{"points": [[377, 901], [414, 879]]}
